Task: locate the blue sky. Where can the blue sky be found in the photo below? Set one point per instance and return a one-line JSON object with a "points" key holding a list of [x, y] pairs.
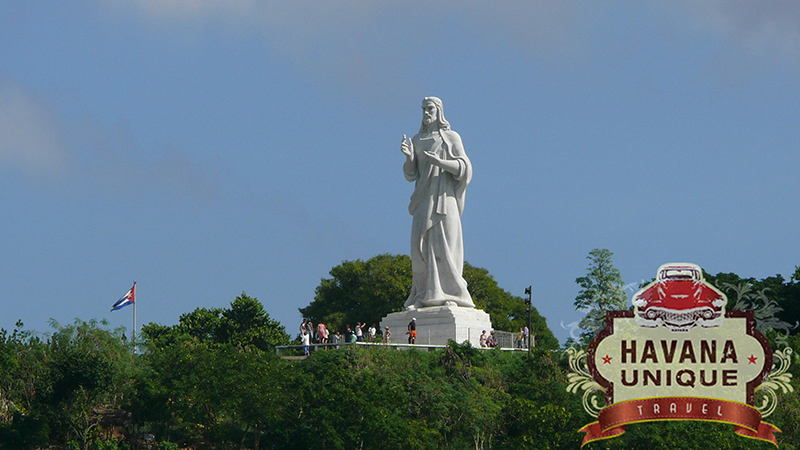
{"points": [[207, 148]]}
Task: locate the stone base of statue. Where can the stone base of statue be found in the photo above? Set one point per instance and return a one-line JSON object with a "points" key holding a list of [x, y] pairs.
{"points": [[437, 324]]}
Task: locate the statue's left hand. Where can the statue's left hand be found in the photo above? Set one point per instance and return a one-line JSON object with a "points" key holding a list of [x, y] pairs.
{"points": [[434, 158], [447, 165]]}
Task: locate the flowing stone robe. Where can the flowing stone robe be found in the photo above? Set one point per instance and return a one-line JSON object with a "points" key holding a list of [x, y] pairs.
{"points": [[437, 247]]}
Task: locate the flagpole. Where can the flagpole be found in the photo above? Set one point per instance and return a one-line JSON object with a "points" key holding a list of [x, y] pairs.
{"points": [[127, 299], [134, 321]]}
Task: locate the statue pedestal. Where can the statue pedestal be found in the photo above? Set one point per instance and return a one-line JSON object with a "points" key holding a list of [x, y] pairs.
{"points": [[437, 324]]}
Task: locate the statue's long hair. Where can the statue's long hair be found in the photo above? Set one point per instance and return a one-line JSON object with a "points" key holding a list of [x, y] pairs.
{"points": [[442, 122]]}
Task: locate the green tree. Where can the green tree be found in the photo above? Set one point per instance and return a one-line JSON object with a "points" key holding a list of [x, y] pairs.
{"points": [[24, 377], [197, 393], [601, 290], [211, 377], [22, 369], [383, 398], [540, 413], [244, 324], [361, 291], [366, 291], [254, 395], [89, 370], [776, 301], [508, 312]]}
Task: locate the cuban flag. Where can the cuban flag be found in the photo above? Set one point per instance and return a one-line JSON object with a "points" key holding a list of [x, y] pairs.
{"points": [[127, 299]]}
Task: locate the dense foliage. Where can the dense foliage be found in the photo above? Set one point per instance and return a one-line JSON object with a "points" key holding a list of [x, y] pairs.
{"points": [[214, 381], [366, 291], [246, 324], [63, 388], [771, 297], [203, 395]]}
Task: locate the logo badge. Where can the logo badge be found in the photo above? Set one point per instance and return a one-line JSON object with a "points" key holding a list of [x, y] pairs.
{"points": [[680, 299], [678, 356]]}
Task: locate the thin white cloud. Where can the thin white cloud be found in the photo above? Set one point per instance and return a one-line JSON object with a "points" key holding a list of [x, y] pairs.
{"points": [[29, 140], [37, 139], [374, 50], [306, 25], [108, 157], [771, 28], [551, 28], [288, 18]]}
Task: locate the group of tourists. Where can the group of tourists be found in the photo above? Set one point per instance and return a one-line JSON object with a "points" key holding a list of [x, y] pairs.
{"points": [[488, 340], [322, 335], [309, 334], [356, 334], [521, 337]]}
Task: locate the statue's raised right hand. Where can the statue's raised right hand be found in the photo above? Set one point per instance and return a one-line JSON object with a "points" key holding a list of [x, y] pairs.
{"points": [[407, 147]]}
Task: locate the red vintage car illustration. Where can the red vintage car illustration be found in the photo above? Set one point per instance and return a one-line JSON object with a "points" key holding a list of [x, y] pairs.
{"points": [[679, 299]]}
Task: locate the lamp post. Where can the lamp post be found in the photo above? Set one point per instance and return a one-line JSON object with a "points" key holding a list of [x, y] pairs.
{"points": [[528, 303]]}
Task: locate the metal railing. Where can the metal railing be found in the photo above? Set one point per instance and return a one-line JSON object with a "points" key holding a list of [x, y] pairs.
{"points": [[504, 342]]}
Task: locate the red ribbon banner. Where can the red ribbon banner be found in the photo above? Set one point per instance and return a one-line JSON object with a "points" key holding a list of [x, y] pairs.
{"points": [[612, 419]]}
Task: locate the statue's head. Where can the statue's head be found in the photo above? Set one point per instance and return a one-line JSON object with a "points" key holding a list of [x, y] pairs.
{"points": [[433, 115]]}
